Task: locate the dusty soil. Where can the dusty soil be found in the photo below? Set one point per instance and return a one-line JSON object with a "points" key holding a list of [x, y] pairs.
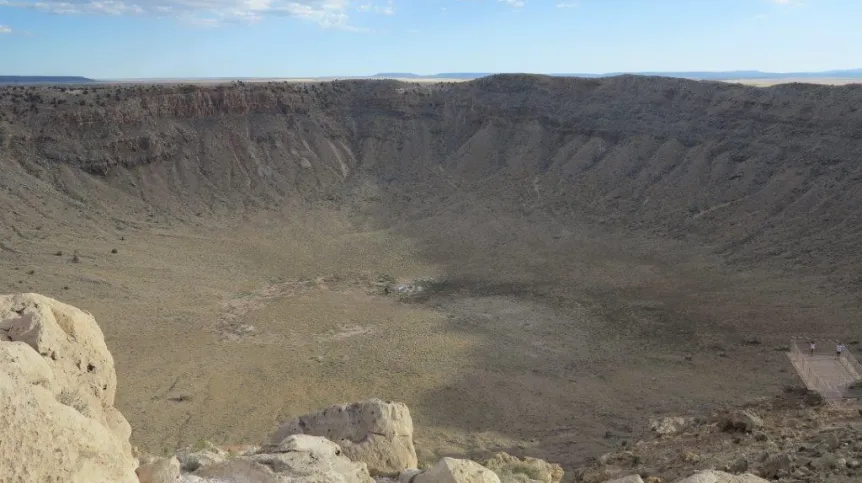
{"points": [[793, 437], [601, 250]]}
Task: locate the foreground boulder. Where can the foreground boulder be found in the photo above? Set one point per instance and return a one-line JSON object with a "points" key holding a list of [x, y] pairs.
{"points": [[298, 458], [451, 470], [205, 455], [234, 470], [512, 469], [375, 432], [312, 459], [57, 388], [162, 470], [711, 476], [628, 479]]}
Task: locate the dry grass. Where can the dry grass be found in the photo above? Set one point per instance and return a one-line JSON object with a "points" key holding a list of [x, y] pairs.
{"points": [[542, 367]]}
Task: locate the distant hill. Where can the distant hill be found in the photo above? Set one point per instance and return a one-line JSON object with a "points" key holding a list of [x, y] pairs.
{"points": [[703, 75], [397, 75], [445, 75], [38, 79]]}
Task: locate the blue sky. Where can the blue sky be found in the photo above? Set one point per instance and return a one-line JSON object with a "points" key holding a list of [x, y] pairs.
{"points": [[110, 39]]}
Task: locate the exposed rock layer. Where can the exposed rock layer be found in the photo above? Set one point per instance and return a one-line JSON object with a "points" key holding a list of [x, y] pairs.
{"points": [[764, 171]]}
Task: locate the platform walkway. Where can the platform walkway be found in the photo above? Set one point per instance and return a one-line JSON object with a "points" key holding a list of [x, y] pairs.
{"points": [[826, 373]]}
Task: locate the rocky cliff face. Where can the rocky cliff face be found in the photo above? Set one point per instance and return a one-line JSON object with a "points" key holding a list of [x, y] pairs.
{"points": [[764, 173]]}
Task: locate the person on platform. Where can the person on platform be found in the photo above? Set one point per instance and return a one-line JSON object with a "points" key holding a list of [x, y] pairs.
{"points": [[839, 349]]}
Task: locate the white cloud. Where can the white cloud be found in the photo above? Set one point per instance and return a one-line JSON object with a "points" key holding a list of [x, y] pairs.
{"points": [[386, 9], [326, 13], [5, 29], [514, 3]]}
